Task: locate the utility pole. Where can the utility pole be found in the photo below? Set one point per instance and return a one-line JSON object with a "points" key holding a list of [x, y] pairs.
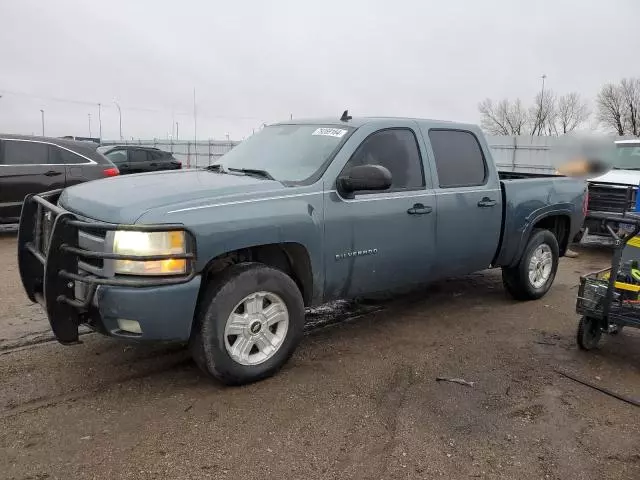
{"points": [[100, 120], [195, 128], [120, 115], [538, 125], [89, 115], [42, 116]]}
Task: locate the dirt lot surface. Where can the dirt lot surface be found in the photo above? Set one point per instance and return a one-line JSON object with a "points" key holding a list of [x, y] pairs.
{"points": [[358, 399]]}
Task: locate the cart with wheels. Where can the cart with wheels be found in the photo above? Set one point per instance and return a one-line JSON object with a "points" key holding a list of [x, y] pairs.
{"points": [[609, 299]]}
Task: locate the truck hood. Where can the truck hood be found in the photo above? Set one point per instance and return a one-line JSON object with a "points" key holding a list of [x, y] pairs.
{"points": [[622, 177], [125, 199]]}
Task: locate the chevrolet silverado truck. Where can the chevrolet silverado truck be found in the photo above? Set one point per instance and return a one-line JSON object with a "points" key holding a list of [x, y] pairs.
{"points": [[226, 258]]}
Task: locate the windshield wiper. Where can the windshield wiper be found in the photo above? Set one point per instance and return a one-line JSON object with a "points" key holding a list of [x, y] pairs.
{"points": [[253, 172]]}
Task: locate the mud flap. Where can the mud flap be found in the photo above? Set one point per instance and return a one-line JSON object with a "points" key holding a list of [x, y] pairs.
{"points": [[63, 318]]}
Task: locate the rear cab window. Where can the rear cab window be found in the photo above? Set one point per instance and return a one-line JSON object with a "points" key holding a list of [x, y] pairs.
{"points": [[458, 157]]}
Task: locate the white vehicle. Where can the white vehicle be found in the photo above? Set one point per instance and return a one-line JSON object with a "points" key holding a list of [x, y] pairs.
{"points": [[617, 190]]}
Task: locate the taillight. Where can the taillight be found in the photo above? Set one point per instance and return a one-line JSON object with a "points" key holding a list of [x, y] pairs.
{"points": [[111, 172]]}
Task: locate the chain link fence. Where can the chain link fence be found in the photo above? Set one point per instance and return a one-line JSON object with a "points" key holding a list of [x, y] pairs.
{"points": [[511, 153], [192, 154]]}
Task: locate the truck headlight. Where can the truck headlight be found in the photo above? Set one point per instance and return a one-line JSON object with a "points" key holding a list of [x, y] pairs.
{"points": [[150, 243]]}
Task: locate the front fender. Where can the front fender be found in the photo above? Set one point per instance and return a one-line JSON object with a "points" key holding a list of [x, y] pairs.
{"points": [[224, 228]]}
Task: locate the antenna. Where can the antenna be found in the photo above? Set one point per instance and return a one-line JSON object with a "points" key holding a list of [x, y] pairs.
{"points": [[345, 116]]}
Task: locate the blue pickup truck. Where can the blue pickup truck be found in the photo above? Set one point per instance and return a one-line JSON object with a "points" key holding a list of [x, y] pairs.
{"points": [[226, 258]]}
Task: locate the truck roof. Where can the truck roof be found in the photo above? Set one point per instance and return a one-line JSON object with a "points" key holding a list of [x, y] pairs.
{"points": [[360, 121]]}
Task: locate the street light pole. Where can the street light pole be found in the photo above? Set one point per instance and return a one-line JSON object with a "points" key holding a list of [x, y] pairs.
{"points": [[177, 131], [89, 115], [195, 129], [42, 116], [100, 120], [120, 115]]}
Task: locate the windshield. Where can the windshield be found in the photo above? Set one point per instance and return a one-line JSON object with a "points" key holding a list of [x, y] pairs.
{"points": [[289, 153], [627, 156]]}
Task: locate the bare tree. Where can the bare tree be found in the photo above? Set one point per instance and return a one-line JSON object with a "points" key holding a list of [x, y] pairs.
{"points": [[612, 108], [572, 112], [543, 114], [503, 118], [630, 90]]}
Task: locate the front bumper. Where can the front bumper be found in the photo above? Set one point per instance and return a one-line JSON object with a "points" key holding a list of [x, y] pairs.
{"points": [[55, 272]]}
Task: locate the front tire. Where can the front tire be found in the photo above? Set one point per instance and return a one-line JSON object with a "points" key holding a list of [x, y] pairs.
{"points": [[533, 276], [589, 333], [249, 322]]}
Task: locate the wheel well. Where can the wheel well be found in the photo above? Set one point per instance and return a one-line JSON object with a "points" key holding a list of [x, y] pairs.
{"points": [[559, 225], [291, 258]]}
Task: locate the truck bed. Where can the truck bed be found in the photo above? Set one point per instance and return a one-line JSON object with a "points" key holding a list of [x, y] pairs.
{"points": [[528, 197]]}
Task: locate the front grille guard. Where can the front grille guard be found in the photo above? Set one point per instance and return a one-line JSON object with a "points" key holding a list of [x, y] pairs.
{"points": [[50, 279]]}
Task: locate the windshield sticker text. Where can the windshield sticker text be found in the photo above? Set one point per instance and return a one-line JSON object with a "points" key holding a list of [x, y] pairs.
{"points": [[330, 132]]}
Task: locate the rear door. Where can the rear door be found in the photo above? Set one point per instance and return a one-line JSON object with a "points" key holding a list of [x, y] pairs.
{"points": [[26, 166], [78, 168], [138, 161], [157, 161], [469, 217]]}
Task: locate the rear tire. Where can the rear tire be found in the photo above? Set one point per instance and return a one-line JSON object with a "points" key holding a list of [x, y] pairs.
{"points": [[249, 322], [589, 333], [533, 276]]}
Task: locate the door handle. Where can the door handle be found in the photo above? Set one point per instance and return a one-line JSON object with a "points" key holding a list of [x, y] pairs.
{"points": [[487, 202], [419, 209], [52, 173]]}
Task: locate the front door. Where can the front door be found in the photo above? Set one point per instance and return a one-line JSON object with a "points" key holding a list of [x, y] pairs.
{"points": [[379, 241], [469, 203], [26, 167]]}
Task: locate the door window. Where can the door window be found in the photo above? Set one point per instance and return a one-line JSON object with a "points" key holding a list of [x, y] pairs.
{"points": [[459, 158], [137, 156], [395, 149], [25, 153], [117, 156], [69, 158]]}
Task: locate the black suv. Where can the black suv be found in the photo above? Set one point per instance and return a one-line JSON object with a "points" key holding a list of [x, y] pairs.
{"points": [[37, 164], [137, 159]]}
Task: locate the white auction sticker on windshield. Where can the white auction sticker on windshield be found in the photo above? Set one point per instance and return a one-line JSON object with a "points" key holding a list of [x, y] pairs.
{"points": [[330, 132]]}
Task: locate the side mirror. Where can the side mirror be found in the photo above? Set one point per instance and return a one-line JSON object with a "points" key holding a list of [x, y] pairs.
{"points": [[365, 177]]}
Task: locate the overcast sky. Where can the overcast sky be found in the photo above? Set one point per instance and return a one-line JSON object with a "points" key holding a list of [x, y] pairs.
{"points": [[260, 61]]}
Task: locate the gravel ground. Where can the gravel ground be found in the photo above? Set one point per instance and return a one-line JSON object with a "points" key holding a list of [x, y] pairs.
{"points": [[358, 399]]}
